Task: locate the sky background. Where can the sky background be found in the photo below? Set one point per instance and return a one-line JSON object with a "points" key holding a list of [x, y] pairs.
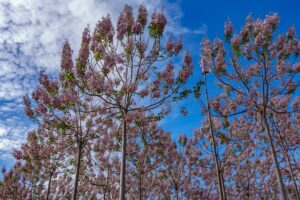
{"points": [[32, 33]]}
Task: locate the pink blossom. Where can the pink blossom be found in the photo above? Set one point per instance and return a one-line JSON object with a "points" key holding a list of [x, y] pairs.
{"points": [[206, 49], [144, 92], [291, 33], [104, 31], [125, 22], [137, 28], [156, 94], [272, 20], [206, 65], [228, 29], [177, 47], [44, 80], [297, 67], [66, 57], [187, 59], [170, 45], [159, 20], [235, 42], [84, 50], [142, 15]]}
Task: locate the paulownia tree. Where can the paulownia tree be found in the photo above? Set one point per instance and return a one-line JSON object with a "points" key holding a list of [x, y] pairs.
{"points": [[146, 147], [130, 69], [42, 158], [254, 68], [14, 185], [61, 108]]}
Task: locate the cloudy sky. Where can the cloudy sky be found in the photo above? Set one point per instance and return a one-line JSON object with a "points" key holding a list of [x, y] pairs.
{"points": [[32, 33]]}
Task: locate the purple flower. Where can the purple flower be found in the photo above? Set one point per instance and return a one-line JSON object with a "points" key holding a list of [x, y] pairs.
{"points": [[272, 20], [158, 23], [142, 16], [291, 33], [137, 28], [187, 59], [206, 56], [66, 57], [177, 47], [228, 29], [125, 22], [84, 49], [104, 30], [235, 42], [297, 67], [206, 65]]}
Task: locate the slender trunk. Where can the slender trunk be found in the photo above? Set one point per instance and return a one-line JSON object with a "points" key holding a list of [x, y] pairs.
{"points": [[293, 176], [49, 187], [216, 159], [223, 184], [274, 158], [123, 164], [77, 173], [285, 151], [176, 190], [106, 186], [140, 187]]}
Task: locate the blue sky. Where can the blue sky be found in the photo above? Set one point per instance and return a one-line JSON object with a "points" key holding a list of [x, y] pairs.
{"points": [[212, 15], [32, 33]]}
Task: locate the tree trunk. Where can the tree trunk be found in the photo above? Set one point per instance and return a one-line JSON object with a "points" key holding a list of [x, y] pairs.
{"points": [[176, 191], [140, 187], [216, 159], [223, 184], [293, 176], [274, 158], [49, 187], [123, 163], [286, 153], [77, 172]]}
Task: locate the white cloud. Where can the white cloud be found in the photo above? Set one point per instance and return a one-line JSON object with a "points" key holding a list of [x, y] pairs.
{"points": [[3, 131]]}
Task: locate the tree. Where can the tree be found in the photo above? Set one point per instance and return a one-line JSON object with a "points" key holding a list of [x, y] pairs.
{"points": [[61, 108], [125, 71], [42, 159], [13, 185], [259, 70]]}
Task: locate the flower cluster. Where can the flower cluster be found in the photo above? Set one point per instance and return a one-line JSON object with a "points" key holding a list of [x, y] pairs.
{"points": [[84, 52], [228, 30], [157, 24], [66, 57], [125, 22], [187, 69], [206, 56]]}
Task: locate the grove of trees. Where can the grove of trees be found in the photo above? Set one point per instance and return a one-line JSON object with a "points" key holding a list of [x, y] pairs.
{"points": [[98, 133]]}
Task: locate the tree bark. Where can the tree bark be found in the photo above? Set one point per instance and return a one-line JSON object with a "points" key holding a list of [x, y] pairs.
{"points": [[283, 195], [49, 187], [77, 173], [123, 163], [293, 175], [216, 159], [140, 187], [223, 184], [286, 153]]}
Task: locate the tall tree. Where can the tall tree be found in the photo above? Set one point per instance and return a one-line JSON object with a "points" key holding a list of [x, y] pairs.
{"points": [[61, 108], [260, 67], [131, 71]]}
